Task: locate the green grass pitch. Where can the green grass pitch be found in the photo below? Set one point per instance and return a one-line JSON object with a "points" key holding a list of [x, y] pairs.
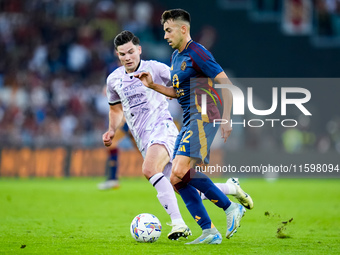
{"points": [[70, 216]]}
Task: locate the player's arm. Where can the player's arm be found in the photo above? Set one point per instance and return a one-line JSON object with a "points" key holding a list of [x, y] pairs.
{"points": [[116, 117], [206, 63], [222, 78], [147, 80]]}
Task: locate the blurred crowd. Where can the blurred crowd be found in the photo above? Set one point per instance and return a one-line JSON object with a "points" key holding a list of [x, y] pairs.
{"points": [[318, 17], [328, 17], [55, 57]]}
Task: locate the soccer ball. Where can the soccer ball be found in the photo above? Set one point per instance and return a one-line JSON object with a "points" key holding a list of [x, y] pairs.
{"points": [[146, 228]]}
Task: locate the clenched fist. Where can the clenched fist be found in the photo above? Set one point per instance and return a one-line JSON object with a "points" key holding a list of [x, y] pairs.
{"points": [[107, 138]]}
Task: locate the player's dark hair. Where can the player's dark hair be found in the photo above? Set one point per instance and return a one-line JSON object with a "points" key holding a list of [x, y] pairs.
{"points": [[175, 14], [125, 37]]}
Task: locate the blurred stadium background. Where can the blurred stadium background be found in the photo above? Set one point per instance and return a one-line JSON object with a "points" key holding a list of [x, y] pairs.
{"points": [[56, 55]]}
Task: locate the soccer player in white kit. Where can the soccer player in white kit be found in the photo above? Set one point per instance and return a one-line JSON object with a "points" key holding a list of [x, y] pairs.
{"points": [[149, 120]]}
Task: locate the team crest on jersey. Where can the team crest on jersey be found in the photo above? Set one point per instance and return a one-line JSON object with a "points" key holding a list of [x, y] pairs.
{"points": [[183, 65]]}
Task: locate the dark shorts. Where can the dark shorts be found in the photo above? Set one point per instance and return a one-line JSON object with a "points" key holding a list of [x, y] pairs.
{"points": [[194, 140]]}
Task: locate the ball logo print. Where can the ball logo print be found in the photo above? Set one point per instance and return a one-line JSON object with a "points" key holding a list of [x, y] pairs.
{"points": [[146, 228]]}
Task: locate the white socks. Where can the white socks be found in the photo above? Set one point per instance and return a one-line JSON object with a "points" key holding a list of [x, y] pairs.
{"points": [[226, 188], [166, 196]]}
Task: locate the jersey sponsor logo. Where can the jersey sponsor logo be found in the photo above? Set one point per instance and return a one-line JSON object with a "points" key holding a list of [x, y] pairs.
{"points": [[175, 84], [179, 92], [129, 93], [175, 81], [183, 65], [135, 100], [132, 87], [140, 95]]}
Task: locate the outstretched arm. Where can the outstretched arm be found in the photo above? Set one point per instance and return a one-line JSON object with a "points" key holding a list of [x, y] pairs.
{"points": [[146, 79]]}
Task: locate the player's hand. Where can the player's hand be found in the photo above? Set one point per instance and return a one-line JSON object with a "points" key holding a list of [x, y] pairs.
{"points": [[107, 138], [225, 131], [145, 78]]}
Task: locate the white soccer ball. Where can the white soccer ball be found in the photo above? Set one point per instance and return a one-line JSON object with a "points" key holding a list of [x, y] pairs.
{"points": [[146, 228]]}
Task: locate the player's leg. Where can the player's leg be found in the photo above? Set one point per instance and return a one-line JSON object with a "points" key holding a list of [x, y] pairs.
{"points": [[113, 163], [195, 144], [194, 147], [113, 153], [183, 169], [156, 159], [194, 204], [112, 178], [232, 187]]}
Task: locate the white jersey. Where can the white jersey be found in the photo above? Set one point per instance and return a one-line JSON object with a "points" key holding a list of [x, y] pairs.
{"points": [[143, 108]]}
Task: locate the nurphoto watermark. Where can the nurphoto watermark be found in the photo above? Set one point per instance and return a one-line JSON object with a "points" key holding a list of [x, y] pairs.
{"points": [[300, 97]]}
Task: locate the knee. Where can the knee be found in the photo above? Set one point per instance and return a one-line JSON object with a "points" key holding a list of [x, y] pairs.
{"points": [[178, 169], [149, 170], [175, 172], [174, 180]]}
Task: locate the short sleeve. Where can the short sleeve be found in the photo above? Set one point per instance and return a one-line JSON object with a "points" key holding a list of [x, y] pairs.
{"points": [[112, 95], [163, 72], [203, 60]]}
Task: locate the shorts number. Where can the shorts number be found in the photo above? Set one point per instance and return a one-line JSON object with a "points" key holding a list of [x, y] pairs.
{"points": [[188, 135]]}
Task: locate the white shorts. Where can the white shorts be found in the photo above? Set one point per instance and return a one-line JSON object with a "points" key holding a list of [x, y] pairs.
{"points": [[164, 133]]}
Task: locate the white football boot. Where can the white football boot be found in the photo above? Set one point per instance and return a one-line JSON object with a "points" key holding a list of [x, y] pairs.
{"points": [[234, 214], [241, 196], [209, 236], [179, 230], [109, 184]]}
